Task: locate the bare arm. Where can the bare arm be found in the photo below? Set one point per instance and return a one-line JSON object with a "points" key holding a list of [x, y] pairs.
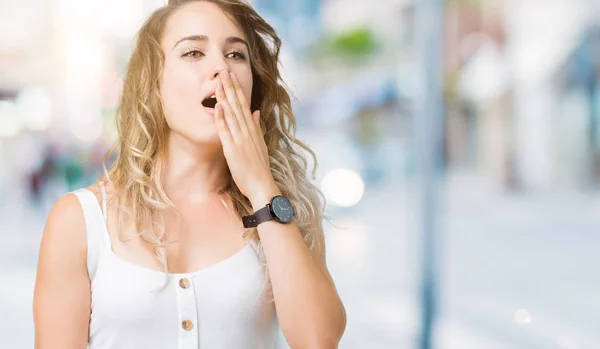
{"points": [[309, 308], [61, 301]]}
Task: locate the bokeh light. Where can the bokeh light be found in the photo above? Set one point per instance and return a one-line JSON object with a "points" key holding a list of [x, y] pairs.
{"points": [[35, 108], [10, 124], [343, 187]]}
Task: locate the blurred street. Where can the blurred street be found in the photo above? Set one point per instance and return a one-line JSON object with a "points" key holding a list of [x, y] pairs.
{"points": [[512, 121], [502, 253]]}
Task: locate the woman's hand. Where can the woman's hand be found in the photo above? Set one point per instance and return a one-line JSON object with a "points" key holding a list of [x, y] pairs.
{"points": [[243, 142]]}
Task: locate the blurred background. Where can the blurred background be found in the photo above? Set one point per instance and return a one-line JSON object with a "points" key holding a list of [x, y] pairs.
{"points": [[517, 200]]}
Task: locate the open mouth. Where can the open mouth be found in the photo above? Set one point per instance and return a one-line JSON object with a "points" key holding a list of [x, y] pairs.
{"points": [[210, 102]]}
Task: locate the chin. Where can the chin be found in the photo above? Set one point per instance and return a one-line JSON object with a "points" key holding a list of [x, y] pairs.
{"points": [[205, 136]]}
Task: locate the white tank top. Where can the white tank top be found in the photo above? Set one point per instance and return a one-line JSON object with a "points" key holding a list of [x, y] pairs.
{"points": [[222, 306]]}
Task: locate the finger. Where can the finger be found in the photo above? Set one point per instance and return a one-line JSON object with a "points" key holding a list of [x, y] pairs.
{"points": [[224, 133], [232, 97], [256, 120], [256, 117], [252, 119], [240, 94], [230, 119]]}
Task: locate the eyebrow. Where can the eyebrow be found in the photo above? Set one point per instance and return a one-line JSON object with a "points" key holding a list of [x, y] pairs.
{"points": [[229, 40]]}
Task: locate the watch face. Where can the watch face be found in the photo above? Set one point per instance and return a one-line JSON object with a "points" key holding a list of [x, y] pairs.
{"points": [[282, 209]]}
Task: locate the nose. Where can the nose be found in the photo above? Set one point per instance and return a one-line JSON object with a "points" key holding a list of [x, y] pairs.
{"points": [[217, 71], [219, 64]]}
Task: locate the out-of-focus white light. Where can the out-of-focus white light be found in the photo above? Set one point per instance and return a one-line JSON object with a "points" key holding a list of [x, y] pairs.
{"points": [[567, 343], [9, 119], [126, 16], [85, 61], [484, 77], [343, 187], [349, 244], [35, 108], [87, 131], [522, 317]]}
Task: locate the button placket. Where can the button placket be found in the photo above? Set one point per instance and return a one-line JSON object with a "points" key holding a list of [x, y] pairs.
{"points": [[188, 315]]}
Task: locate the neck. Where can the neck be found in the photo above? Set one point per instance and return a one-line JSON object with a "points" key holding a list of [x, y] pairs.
{"points": [[194, 172]]}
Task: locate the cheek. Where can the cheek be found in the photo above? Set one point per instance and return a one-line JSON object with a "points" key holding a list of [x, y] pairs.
{"points": [[179, 90]]}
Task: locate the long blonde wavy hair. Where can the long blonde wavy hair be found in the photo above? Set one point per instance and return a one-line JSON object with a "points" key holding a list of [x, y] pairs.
{"points": [[135, 175]]}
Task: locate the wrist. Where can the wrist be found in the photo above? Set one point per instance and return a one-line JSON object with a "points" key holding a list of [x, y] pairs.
{"points": [[262, 197]]}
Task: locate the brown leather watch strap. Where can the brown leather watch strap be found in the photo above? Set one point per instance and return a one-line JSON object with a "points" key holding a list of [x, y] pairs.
{"points": [[262, 215]]}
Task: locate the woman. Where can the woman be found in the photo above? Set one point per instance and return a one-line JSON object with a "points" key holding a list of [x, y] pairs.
{"points": [[189, 240]]}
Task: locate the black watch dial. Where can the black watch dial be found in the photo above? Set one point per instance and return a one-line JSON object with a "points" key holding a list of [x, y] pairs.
{"points": [[282, 209]]}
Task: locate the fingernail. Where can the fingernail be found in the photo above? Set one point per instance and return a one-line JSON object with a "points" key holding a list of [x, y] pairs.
{"points": [[233, 77]]}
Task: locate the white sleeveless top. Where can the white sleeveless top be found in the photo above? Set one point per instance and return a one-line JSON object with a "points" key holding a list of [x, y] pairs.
{"points": [[222, 306]]}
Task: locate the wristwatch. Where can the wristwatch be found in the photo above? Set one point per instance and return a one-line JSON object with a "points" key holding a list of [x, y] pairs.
{"points": [[278, 209]]}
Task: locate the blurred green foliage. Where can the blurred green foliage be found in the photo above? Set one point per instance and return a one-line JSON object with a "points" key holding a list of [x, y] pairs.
{"points": [[352, 46], [359, 41]]}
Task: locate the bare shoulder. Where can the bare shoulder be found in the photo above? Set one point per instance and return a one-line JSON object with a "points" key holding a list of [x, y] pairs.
{"points": [[61, 301], [65, 228]]}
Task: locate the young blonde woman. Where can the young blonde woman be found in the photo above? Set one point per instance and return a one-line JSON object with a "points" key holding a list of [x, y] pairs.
{"points": [[205, 232]]}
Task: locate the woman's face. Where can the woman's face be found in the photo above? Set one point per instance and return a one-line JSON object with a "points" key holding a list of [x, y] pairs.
{"points": [[199, 42]]}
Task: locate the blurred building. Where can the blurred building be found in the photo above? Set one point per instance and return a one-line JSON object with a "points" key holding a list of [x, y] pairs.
{"points": [[296, 20], [503, 100], [578, 117]]}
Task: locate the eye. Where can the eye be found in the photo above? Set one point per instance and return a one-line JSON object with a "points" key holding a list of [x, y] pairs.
{"points": [[237, 55], [193, 54]]}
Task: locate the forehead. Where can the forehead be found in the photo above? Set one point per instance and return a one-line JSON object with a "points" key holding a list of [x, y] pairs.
{"points": [[200, 18]]}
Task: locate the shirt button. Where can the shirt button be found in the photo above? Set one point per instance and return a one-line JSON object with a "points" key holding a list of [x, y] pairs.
{"points": [[187, 325], [184, 283]]}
